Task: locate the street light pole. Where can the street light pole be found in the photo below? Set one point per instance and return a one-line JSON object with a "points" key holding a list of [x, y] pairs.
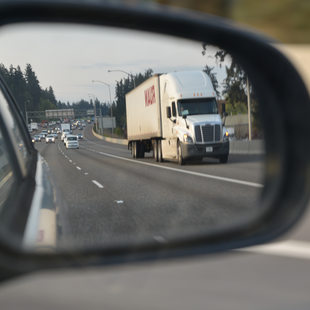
{"points": [[129, 74], [109, 86], [94, 109]]}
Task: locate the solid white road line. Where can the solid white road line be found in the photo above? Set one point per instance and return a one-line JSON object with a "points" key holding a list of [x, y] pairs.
{"points": [[97, 183], [288, 248], [203, 175]]}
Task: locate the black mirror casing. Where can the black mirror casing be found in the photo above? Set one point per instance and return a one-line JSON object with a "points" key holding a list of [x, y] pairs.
{"points": [[278, 84]]}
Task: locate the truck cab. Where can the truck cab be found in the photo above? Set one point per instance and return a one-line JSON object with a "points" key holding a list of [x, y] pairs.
{"points": [[192, 126], [176, 116]]}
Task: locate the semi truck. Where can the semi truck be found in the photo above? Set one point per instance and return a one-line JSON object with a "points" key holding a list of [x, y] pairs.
{"points": [[176, 116], [65, 130], [34, 126], [65, 127]]}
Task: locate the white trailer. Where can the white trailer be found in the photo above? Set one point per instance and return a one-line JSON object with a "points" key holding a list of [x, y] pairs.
{"points": [[33, 126], [65, 127], [176, 116], [65, 130]]}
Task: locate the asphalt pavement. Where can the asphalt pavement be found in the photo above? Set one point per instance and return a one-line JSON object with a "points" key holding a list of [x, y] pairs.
{"points": [[108, 197], [254, 278]]}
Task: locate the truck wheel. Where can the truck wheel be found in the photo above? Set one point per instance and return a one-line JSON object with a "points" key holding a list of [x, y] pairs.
{"points": [[140, 149], [155, 150], [223, 159], [134, 150], [159, 151], [180, 157]]}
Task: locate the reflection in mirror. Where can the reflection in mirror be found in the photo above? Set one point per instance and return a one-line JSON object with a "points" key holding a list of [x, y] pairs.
{"points": [[147, 137]]}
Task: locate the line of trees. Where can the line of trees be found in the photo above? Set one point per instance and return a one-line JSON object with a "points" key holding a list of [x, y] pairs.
{"points": [[30, 96], [27, 90], [234, 88], [122, 87]]}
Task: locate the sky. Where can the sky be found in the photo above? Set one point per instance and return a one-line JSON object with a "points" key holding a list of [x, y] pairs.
{"points": [[70, 57]]}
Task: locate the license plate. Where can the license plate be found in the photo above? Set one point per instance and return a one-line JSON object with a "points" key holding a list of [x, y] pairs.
{"points": [[209, 149]]}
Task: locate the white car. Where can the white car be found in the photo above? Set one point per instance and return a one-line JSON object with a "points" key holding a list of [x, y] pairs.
{"points": [[44, 132], [72, 142], [50, 139], [63, 135]]}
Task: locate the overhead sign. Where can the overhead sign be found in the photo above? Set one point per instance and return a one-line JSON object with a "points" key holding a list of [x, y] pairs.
{"points": [[61, 113], [90, 112]]}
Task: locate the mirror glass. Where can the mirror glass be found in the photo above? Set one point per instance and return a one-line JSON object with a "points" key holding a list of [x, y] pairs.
{"points": [[121, 172]]}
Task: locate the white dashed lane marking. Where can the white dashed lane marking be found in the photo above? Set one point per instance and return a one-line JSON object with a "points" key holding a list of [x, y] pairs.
{"points": [[97, 183], [78, 168]]}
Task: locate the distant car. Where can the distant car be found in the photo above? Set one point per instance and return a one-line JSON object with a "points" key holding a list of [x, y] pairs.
{"points": [[72, 142], [80, 136], [80, 128], [36, 138], [42, 136], [55, 135], [44, 132], [63, 135], [50, 139]]}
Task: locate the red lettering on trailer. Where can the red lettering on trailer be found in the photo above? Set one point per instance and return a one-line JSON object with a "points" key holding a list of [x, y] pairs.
{"points": [[150, 96]]}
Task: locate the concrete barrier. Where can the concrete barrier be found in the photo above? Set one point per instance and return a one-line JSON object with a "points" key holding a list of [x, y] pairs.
{"points": [[254, 147], [108, 139]]}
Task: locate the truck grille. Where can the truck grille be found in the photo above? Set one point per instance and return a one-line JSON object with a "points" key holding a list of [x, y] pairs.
{"points": [[208, 133], [198, 134]]}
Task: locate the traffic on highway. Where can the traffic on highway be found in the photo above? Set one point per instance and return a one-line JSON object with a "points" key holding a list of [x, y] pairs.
{"points": [[106, 196]]}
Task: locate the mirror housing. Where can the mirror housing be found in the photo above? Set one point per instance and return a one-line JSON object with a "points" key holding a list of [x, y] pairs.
{"points": [[286, 191]]}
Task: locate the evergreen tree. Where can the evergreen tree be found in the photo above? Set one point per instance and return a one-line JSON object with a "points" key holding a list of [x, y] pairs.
{"points": [[33, 88]]}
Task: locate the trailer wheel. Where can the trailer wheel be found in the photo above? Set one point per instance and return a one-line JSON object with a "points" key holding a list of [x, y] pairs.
{"points": [[180, 157], [140, 150], [159, 151], [134, 150], [155, 150]]}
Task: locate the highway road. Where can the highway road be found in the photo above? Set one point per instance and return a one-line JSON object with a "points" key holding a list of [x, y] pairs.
{"points": [[108, 197], [254, 278]]}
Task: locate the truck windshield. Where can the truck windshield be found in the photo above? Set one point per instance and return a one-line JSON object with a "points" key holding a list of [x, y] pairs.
{"points": [[197, 106]]}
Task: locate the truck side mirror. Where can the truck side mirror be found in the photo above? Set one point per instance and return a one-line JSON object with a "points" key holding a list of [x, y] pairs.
{"points": [[168, 109]]}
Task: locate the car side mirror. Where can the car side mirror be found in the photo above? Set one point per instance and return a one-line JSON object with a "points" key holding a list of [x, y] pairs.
{"points": [[168, 110]]}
